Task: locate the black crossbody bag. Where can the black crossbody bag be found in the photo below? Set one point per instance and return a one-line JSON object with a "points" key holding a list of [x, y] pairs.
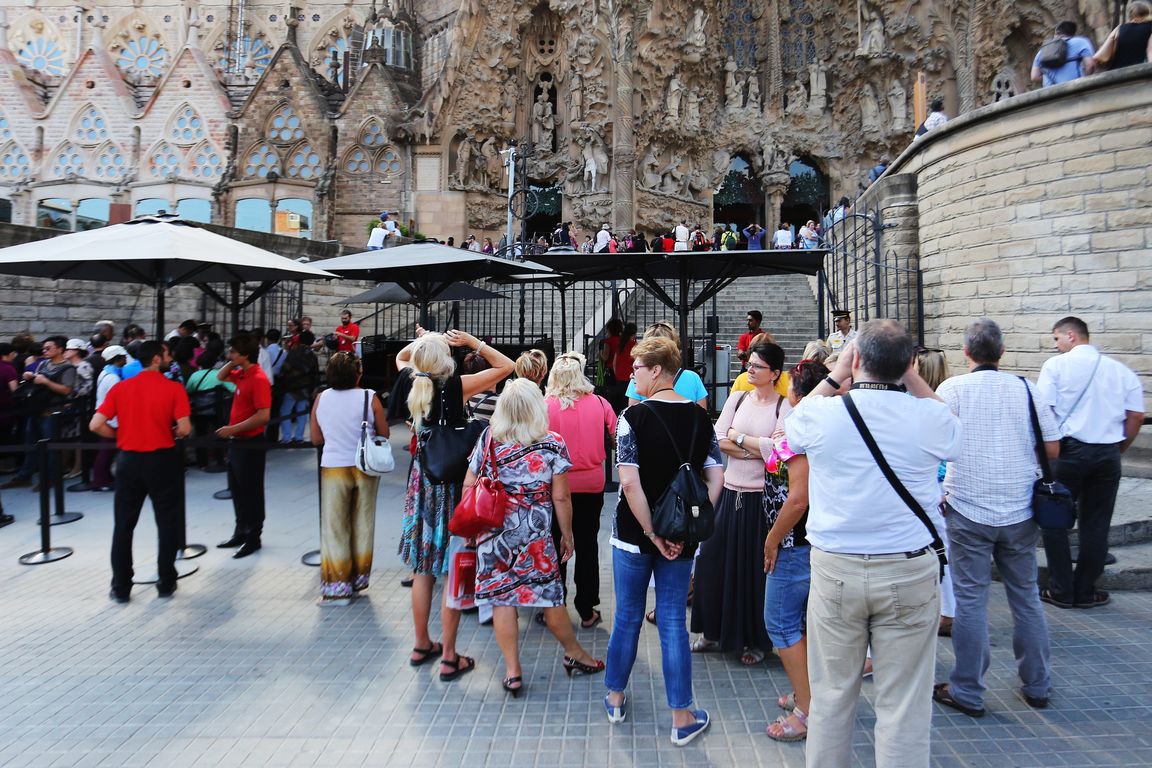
{"points": [[937, 544], [1053, 506]]}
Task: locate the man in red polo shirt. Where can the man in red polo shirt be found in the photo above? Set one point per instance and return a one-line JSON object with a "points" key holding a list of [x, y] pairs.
{"points": [[150, 410], [251, 409], [346, 333]]}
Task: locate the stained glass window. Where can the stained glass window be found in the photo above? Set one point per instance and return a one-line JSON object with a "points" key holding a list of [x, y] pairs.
{"points": [[207, 162], [285, 126], [247, 51], [741, 32], [798, 38], [388, 161], [373, 134], [164, 161], [186, 127], [143, 56], [357, 161], [304, 162], [110, 163], [14, 163], [91, 126], [260, 161], [5, 129], [43, 55], [67, 161]]}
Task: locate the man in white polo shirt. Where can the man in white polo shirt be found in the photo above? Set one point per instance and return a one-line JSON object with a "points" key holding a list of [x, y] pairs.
{"points": [[681, 233], [1099, 408], [875, 577]]}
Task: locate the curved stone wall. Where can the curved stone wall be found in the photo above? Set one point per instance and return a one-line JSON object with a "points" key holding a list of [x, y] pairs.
{"points": [[1035, 208]]}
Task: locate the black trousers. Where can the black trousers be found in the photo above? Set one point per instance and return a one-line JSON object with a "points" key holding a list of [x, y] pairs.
{"points": [[586, 509], [246, 462], [1091, 471], [155, 475]]}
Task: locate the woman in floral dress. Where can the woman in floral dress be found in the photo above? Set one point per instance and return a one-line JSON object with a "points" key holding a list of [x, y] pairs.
{"points": [[518, 566]]}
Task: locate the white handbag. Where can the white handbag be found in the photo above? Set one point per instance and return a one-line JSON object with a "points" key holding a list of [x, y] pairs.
{"points": [[373, 454]]}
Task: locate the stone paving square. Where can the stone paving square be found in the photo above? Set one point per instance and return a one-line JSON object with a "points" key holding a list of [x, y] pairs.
{"points": [[242, 668]]}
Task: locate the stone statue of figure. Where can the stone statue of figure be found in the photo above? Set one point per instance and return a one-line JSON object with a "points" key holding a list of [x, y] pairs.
{"points": [[732, 91], [797, 99], [464, 166], [753, 91], [650, 169], [543, 121], [898, 105], [871, 29], [692, 112], [510, 96], [672, 176], [817, 88], [675, 96], [869, 110], [576, 98], [595, 156], [696, 37], [493, 163]]}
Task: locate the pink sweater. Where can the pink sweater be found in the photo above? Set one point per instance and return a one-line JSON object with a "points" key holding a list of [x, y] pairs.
{"points": [[582, 427]]}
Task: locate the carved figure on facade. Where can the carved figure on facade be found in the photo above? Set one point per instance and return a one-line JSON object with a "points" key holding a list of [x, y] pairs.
{"points": [[465, 169], [692, 110], [492, 169], [543, 120], [675, 96], [753, 100], [673, 173], [576, 98], [510, 96], [650, 166], [872, 42], [797, 98], [869, 110], [733, 92], [595, 156], [697, 41], [898, 106], [817, 88]]}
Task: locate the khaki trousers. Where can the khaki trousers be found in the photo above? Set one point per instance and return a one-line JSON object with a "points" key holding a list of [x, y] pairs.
{"points": [[894, 604], [347, 530]]}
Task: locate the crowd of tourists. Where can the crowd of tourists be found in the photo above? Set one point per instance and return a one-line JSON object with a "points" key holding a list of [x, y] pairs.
{"points": [[853, 503]]}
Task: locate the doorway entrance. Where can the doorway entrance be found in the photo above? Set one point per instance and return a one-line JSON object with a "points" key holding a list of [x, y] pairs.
{"points": [[808, 195], [739, 200]]}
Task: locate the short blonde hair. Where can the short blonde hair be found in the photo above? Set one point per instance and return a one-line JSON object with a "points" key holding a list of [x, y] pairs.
{"points": [[817, 351], [932, 367], [653, 351], [532, 364], [521, 416], [567, 382], [663, 329], [1139, 10], [432, 356]]}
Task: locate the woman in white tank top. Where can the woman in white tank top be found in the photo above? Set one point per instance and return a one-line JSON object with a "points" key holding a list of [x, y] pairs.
{"points": [[347, 495]]}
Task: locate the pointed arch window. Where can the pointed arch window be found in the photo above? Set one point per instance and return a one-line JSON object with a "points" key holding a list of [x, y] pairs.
{"points": [[164, 161], [304, 162], [206, 161], [14, 162], [67, 161], [334, 60], [110, 164], [388, 161], [186, 126], [260, 161], [5, 128], [372, 134], [357, 161], [285, 126], [90, 127], [143, 56]]}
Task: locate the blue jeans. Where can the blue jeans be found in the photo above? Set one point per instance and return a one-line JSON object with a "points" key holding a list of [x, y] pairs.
{"points": [[631, 573], [973, 549], [293, 429], [37, 428], [1092, 473], [786, 596]]}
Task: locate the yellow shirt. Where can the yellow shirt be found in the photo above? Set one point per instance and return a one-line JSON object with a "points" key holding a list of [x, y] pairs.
{"points": [[741, 384]]}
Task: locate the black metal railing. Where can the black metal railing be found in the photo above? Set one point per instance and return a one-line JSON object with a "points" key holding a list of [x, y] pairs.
{"points": [[867, 278]]}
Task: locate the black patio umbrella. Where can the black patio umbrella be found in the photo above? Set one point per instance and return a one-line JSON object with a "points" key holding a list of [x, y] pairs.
{"points": [[394, 293]]}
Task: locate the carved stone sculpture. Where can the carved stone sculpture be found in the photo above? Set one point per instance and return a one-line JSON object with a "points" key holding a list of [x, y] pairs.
{"points": [[732, 90], [753, 101], [697, 40], [672, 175], [510, 96], [869, 110], [692, 111], [576, 98], [898, 106], [817, 88], [675, 95], [493, 165], [464, 167], [543, 122], [797, 99], [871, 29]]}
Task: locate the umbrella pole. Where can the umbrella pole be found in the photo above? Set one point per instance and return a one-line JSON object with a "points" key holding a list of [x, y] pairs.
{"points": [[685, 342], [160, 310], [424, 313], [235, 308], [563, 322]]}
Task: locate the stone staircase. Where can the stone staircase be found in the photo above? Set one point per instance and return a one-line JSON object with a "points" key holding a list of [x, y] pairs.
{"points": [[789, 313]]}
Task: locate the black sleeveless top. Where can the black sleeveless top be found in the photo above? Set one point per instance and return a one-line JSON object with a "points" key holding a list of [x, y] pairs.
{"points": [[452, 388], [1131, 45]]}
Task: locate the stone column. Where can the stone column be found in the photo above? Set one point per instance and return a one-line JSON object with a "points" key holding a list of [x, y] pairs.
{"points": [[623, 151]]}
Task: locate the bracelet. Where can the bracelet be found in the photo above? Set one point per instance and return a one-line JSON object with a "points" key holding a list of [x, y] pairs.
{"points": [[650, 534], [832, 382], [480, 346]]}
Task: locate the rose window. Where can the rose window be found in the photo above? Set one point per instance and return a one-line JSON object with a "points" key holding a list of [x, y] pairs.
{"points": [[143, 57]]}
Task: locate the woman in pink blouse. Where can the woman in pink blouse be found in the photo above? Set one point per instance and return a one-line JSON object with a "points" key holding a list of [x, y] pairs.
{"points": [[728, 608], [582, 419]]}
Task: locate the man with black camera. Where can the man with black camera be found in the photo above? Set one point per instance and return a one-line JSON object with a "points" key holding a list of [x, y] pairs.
{"points": [[41, 391]]}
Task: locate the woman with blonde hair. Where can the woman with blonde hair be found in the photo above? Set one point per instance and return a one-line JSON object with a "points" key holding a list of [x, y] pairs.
{"points": [[517, 566], [816, 351], [347, 495], [532, 365], [687, 383], [932, 366], [582, 419], [428, 390]]}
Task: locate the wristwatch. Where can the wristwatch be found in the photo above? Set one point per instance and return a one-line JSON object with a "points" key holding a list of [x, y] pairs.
{"points": [[740, 440]]}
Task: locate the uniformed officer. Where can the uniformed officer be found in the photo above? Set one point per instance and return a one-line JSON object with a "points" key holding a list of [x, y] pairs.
{"points": [[843, 334], [151, 412]]}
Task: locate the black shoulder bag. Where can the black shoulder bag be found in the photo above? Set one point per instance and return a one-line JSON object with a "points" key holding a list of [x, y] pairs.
{"points": [[937, 545], [1053, 506], [683, 512], [444, 448]]}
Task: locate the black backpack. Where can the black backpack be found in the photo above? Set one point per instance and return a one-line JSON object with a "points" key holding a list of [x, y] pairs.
{"points": [[683, 512], [1054, 53]]}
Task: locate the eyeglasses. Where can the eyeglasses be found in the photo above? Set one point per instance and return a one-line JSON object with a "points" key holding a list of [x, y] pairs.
{"points": [[758, 367], [638, 366]]}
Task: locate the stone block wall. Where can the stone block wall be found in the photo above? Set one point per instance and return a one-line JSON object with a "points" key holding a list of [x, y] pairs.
{"points": [[1035, 208]]}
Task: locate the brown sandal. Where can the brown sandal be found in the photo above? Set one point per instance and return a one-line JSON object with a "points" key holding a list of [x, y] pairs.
{"points": [[425, 654], [462, 665]]}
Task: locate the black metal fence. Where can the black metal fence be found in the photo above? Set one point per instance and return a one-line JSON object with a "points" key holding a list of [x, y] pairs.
{"points": [[868, 278], [272, 309]]}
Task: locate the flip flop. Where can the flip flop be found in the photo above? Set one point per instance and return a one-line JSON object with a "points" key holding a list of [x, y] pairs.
{"points": [[703, 645], [426, 654], [597, 618], [755, 654], [458, 667], [787, 703]]}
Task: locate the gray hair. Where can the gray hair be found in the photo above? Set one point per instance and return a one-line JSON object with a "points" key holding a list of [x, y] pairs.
{"points": [[885, 350], [984, 341]]}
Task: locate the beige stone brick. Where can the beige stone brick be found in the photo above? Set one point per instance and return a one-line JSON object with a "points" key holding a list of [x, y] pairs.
{"points": [[1096, 302], [1093, 164], [1117, 240], [1106, 201], [1135, 217], [1073, 186]]}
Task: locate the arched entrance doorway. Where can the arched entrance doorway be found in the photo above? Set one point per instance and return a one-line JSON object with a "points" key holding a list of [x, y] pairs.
{"points": [[808, 195], [739, 200], [546, 218]]}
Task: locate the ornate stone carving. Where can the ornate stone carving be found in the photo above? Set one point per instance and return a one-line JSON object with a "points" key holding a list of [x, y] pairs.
{"points": [[595, 161], [871, 20], [797, 99], [869, 110], [817, 88], [898, 107], [675, 96], [697, 42], [543, 121], [487, 211]]}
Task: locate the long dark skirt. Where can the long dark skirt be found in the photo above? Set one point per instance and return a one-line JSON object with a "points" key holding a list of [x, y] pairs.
{"points": [[728, 605]]}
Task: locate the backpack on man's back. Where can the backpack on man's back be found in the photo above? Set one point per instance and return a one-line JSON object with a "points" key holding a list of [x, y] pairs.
{"points": [[1054, 53]]}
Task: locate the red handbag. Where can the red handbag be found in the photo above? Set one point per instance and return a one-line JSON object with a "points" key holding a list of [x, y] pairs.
{"points": [[482, 507]]}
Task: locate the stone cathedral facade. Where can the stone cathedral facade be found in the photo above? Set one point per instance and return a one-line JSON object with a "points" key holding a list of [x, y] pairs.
{"points": [[310, 119]]}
